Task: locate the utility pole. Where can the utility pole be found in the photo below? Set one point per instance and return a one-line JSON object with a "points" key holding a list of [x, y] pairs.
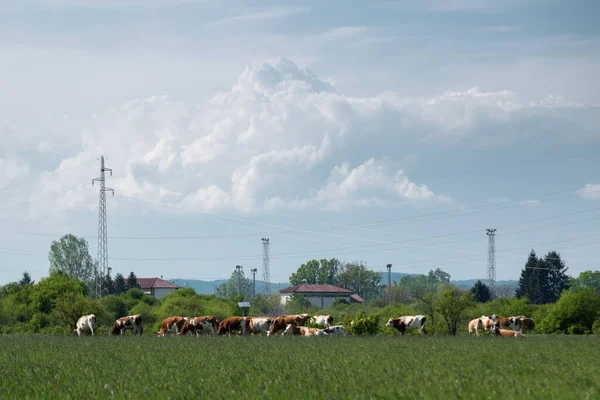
{"points": [[253, 270], [266, 262], [239, 277], [102, 255], [389, 268], [491, 233]]}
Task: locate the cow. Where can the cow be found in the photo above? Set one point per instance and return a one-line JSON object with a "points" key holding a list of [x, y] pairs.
{"points": [[506, 332], [280, 323], [521, 322], [208, 324], [133, 322], [336, 330], [86, 323], [295, 330], [325, 320], [256, 325], [229, 325], [408, 322], [171, 323], [474, 325]]}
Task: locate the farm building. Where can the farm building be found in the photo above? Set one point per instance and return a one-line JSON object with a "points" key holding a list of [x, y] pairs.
{"points": [[156, 287], [319, 295]]}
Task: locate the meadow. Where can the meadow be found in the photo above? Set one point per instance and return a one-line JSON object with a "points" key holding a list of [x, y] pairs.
{"points": [[537, 367]]}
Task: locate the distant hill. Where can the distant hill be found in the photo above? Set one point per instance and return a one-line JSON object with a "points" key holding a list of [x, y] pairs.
{"points": [[208, 287]]}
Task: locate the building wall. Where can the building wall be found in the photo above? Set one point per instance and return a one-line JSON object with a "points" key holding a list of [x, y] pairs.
{"points": [[160, 292], [317, 300]]}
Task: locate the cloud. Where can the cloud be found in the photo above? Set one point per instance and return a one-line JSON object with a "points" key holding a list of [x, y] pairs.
{"points": [[590, 191], [281, 137], [13, 171], [267, 14]]}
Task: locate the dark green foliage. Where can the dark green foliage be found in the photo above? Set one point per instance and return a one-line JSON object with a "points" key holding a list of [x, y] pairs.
{"points": [[317, 272], [70, 255], [26, 279], [481, 292], [360, 280], [119, 284], [586, 279], [298, 304], [132, 281], [543, 279]]}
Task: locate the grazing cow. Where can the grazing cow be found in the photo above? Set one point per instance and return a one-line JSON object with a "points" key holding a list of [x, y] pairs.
{"points": [[280, 323], [171, 323], [256, 325], [133, 322], [325, 320], [208, 324], [336, 330], [86, 323], [506, 332], [521, 322], [408, 322], [292, 329], [228, 325]]}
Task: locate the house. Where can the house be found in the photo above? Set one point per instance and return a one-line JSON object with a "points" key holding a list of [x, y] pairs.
{"points": [[319, 295], [156, 287]]}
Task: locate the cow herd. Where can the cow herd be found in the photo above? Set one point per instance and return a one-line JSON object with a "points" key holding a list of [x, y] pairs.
{"points": [[292, 325]]}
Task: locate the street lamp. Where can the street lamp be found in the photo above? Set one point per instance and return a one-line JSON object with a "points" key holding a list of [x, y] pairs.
{"points": [[239, 270], [389, 268]]}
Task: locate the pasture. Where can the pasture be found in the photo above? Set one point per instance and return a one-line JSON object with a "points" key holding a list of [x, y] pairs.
{"points": [[411, 367]]}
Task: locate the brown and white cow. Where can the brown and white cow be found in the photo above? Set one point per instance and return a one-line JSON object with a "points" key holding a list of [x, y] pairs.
{"points": [[206, 324], [229, 325], [325, 320], [256, 325], [506, 332], [133, 322], [86, 323], [171, 323], [521, 322], [295, 330], [404, 323], [474, 325], [280, 323]]}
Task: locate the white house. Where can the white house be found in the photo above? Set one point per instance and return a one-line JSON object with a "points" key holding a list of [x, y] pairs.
{"points": [[156, 287], [319, 295]]}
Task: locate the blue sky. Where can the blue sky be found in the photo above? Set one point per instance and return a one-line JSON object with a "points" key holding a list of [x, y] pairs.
{"points": [[384, 132]]}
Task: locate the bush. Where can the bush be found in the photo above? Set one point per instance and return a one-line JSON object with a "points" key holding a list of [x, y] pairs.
{"points": [[365, 325], [596, 327]]}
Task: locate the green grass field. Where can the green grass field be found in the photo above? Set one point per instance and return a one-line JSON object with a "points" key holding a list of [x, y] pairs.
{"points": [[538, 367]]}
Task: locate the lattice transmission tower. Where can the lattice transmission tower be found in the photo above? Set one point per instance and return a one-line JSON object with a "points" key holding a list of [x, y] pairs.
{"points": [[266, 265], [491, 233], [102, 255]]}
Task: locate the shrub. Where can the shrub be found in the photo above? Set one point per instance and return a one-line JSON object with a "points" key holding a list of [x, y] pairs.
{"points": [[596, 327], [365, 325]]}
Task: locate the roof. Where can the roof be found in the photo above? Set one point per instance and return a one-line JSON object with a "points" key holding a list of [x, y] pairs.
{"points": [[157, 283], [357, 298], [306, 288]]}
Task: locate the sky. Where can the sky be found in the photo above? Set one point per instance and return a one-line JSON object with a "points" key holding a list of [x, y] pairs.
{"points": [[386, 132]]}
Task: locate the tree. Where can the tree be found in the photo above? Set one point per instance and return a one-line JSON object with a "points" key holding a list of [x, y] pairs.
{"points": [[586, 279], [543, 280], [132, 281], [453, 303], [424, 288], [108, 284], [120, 286], [70, 255], [25, 279], [238, 283], [575, 312], [481, 292], [357, 278], [439, 276], [316, 272]]}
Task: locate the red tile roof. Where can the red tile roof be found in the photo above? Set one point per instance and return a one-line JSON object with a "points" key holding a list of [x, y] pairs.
{"points": [[357, 298], [306, 288], [147, 283]]}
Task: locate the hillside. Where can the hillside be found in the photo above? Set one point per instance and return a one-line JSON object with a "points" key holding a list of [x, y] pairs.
{"points": [[208, 287]]}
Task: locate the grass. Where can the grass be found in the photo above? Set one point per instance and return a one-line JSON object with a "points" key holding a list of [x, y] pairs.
{"points": [[537, 367]]}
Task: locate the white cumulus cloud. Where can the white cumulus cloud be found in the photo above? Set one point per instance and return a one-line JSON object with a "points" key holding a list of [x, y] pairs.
{"points": [[590, 191]]}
